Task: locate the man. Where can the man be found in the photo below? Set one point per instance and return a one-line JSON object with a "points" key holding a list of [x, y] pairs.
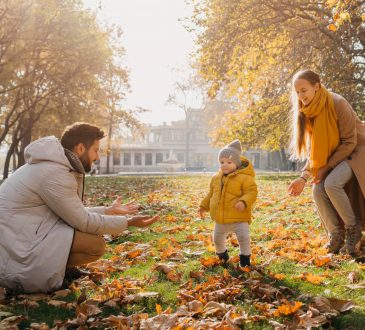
{"points": [[44, 226]]}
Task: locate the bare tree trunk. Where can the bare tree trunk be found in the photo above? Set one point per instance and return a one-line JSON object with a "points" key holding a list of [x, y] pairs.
{"points": [[15, 157], [109, 143], [9, 154]]}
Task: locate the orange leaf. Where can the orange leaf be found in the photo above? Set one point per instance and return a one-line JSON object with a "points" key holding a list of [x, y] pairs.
{"points": [[288, 308], [133, 254], [321, 261], [279, 276], [158, 309], [332, 27], [210, 261]]}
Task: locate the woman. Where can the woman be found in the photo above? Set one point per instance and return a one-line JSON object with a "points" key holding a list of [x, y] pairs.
{"points": [[328, 131]]}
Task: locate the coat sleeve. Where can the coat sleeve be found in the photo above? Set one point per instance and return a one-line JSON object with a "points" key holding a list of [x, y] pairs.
{"points": [[249, 188], [96, 209], [206, 201], [348, 134], [59, 192]]}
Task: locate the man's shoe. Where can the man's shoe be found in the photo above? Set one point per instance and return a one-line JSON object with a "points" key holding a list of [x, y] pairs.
{"points": [[73, 273]]}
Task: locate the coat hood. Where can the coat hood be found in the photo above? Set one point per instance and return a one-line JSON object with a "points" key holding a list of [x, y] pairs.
{"points": [[246, 168], [46, 149]]}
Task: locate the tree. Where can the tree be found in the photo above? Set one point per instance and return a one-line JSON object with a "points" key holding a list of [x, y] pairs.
{"points": [[188, 94], [250, 49], [54, 57]]}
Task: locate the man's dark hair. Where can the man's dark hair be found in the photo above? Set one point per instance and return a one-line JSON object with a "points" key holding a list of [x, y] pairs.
{"points": [[80, 132]]}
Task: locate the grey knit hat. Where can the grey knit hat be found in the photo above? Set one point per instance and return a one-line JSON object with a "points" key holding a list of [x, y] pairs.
{"points": [[232, 151]]}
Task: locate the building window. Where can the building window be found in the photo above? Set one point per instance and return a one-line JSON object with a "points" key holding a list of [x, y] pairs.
{"points": [[116, 157], [137, 158], [180, 157], [148, 159], [159, 157], [127, 159], [157, 137], [167, 135]]}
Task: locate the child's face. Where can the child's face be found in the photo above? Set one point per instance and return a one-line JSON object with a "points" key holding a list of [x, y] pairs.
{"points": [[227, 165], [305, 90]]}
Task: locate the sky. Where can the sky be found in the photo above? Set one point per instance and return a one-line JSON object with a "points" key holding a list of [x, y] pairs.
{"points": [[156, 44]]}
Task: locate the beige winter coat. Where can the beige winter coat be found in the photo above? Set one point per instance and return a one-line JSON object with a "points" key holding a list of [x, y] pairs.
{"points": [[40, 205], [351, 149]]}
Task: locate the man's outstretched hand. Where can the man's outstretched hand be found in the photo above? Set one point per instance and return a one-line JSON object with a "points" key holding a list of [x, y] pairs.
{"points": [[117, 208], [142, 221]]}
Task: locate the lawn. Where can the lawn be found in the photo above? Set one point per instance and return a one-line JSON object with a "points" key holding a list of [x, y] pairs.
{"points": [[167, 276]]}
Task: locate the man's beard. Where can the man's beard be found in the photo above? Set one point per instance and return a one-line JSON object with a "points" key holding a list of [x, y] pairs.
{"points": [[85, 161]]}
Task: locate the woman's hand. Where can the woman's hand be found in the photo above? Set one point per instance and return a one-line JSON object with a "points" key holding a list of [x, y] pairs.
{"points": [[117, 208], [142, 221], [240, 206], [296, 187], [322, 174]]}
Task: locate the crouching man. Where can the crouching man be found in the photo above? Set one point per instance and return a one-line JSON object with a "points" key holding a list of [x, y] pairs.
{"points": [[44, 226]]}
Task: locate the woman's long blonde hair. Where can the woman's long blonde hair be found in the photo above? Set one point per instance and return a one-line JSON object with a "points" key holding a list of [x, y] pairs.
{"points": [[299, 139]]}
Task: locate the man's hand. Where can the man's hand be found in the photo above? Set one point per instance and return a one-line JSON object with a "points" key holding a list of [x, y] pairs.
{"points": [[296, 187], [201, 213], [322, 174], [117, 208], [142, 221], [240, 206]]}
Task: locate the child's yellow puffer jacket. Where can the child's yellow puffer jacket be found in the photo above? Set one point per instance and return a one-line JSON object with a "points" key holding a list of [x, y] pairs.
{"points": [[226, 191]]}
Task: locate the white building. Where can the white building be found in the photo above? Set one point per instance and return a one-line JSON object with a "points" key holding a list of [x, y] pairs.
{"points": [[166, 147]]}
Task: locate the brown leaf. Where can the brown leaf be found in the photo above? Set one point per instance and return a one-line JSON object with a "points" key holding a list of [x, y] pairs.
{"points": [[356, 286], [165, 268], [11, 322], [213, 308], [195, 307], [61, 293], [82, 297], [139, 296], [113, 303], [39, 326], [29, 303], [115, 321], [308, 322], [88, 309], [57, 303], [353, 277], [162, 321], [332, 306]]}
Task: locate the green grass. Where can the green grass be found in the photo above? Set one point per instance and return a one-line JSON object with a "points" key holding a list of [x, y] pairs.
{"points": [[281, 226]]}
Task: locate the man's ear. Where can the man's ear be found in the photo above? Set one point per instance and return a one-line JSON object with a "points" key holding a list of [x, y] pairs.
{"points": [[79, 149]]}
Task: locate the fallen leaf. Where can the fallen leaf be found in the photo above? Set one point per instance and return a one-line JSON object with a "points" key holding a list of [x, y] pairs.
{"points": [[353, 277]]}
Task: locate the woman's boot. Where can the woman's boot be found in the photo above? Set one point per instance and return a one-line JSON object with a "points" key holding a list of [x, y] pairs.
{"points": [[352, 237]]}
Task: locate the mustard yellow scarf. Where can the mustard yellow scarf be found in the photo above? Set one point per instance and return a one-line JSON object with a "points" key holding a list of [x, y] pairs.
{"points": [[325, 135]]}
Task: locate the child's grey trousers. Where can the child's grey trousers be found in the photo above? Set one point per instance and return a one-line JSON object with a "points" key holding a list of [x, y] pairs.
{"points": [[242, 231]]}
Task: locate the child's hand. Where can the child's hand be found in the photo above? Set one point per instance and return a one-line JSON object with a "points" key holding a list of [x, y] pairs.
{"points": [[240, 206], [201, 213]]}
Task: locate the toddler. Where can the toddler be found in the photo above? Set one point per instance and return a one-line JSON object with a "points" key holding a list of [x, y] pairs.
{"points": [[232, 192]]}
